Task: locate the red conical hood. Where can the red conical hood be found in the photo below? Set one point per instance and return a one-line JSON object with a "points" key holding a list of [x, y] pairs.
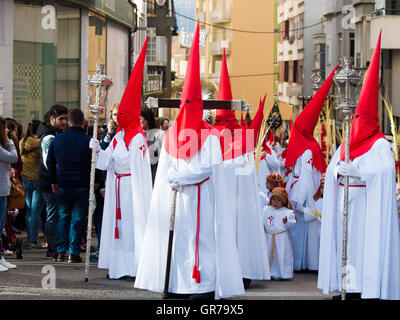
{"points": [[185, 138], [256, 125], [365, 128], [232, 136], [225, 118], [302, 133], [130, 105]]}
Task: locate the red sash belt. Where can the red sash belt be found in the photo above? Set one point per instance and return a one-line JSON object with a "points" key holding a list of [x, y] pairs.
{"points": [[353, 185], [117, 201], [196, 271], [291, 186]]}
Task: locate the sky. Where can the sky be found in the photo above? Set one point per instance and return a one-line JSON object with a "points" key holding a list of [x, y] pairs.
{"points": [[187, 8]]}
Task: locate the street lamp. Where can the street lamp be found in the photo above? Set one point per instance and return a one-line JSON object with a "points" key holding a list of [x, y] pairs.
{"points": [[98, 86], [348, 83]]}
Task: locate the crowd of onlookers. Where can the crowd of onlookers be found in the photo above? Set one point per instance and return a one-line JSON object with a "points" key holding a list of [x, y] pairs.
{"points": [[45, 180]]}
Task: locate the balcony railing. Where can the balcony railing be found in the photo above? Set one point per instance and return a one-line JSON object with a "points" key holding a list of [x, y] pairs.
{"points": [[153, 84], [220, 15], [217, 47]]}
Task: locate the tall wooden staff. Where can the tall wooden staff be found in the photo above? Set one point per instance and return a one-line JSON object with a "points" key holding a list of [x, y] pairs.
{"points": [[170, 242], [98, 84], [348, 83]]}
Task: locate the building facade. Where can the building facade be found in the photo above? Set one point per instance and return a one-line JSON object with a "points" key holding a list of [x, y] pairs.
{"points": [[49, 48], [246, 32], [351, 28]]}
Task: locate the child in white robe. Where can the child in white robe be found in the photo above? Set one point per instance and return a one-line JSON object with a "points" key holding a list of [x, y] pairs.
{"points": [[278, 218]]}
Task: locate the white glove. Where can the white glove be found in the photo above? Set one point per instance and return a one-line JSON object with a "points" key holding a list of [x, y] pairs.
{"points": [[94, 144], [173, 175], [173, 178], [176, 186], [349, 169]]}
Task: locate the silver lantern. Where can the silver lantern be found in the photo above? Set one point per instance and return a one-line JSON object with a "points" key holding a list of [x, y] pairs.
{"points": [[98, 86], [348, 83]]}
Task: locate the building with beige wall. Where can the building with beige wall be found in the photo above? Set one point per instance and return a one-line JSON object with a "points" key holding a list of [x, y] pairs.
{"points": [[250, 55]]}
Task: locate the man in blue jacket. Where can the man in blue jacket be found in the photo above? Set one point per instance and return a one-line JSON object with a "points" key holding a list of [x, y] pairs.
{"points": [[69, 161]]}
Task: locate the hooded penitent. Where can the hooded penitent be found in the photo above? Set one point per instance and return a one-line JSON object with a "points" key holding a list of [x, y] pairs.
{"points": [[130, 106], [302, 133], [365, 128], [185, 138], [232, 136]]}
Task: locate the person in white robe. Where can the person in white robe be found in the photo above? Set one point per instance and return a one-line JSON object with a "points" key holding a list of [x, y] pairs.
{"points": [[305, 157], [278, 218], [239, 167], [128, 184], [204, 253], [312, 218], [373, 238]]}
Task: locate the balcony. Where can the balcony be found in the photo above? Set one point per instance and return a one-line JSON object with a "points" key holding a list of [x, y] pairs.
{"points": [[390, 39], [290, 9], [221, 15], [289, 92], [202, 17], [217, 47], [153, 84]]}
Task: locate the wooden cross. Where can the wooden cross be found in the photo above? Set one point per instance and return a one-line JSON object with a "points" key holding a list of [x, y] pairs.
{"points": [[241, 105]]}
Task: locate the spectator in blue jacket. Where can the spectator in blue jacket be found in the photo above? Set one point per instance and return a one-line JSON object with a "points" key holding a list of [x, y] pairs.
{"points": [[69, 162]]}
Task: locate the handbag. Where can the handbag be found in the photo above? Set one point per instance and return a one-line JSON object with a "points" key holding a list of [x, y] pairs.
{"points": [[16, 199]]}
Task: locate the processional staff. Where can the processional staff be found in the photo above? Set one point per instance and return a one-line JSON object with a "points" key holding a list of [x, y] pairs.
{"points": [[98, 86], [348, 83]]}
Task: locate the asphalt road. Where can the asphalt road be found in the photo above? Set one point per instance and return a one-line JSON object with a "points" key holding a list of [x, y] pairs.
{"points": [[38, 278]]}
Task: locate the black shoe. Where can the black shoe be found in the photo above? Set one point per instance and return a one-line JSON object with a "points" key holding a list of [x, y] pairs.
{"points": [[203, 296], [349, 296], [51, 254], [18, 250], [246, 283], [176, 296]]}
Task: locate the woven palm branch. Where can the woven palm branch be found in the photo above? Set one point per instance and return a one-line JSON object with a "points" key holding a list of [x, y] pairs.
{"points": [[261, 137], [394, 129]]}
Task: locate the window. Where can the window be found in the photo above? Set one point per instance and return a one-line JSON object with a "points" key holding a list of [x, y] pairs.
{"points": [[286, 37], [352, 43], [286, 72], [46, 63]]}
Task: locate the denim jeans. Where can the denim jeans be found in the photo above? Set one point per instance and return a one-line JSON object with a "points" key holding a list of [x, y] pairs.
{"points": [[3, 213], [34, 205], [73, 205], [50, 199]]}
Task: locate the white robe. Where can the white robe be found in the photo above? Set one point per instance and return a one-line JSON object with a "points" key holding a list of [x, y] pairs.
{"points": [[250, 233], [121, 256], [303, 184], [373, 235], [219, 269], [313, 231], [280, 253]]}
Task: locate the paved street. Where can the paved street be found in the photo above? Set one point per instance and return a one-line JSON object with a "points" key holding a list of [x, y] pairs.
{"points": [[25, 282]]}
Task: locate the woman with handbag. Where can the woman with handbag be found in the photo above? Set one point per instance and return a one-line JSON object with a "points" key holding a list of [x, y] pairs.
{"points": [[8, 155]]}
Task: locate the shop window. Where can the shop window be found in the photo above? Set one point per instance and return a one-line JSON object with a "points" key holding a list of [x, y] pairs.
{"points": [[46, 62]]}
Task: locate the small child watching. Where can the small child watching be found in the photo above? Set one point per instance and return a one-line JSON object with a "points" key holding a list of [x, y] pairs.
{"points": [[278, 218], [273, 180]]}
